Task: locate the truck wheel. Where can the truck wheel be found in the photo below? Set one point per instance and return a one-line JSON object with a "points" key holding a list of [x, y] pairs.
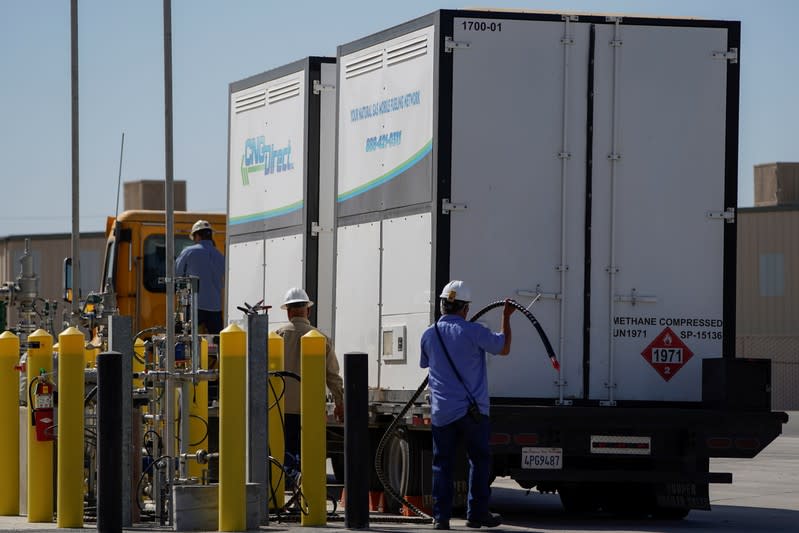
{"points": [[578, 500], [397, 469]]}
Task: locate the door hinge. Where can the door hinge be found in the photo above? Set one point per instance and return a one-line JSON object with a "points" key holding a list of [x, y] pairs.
{"points": [[319, 87], [316, 229], [450, 45], [730, 55], [727, 215], [447, 206], [635, 298], [538, 294]]}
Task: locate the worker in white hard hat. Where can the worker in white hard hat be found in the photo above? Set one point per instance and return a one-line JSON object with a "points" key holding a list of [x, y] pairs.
{"points": [[454, 352], [203, 260], [297, 305]]}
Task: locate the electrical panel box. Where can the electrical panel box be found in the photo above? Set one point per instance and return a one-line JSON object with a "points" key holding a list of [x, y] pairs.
{"points": [[394, 344]]}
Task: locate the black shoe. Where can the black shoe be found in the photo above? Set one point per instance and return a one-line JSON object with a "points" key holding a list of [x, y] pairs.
{"points": [[489, 520], [441, 525]]}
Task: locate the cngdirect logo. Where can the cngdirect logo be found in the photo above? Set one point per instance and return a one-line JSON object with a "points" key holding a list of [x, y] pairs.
{"points": [[262, 157]]}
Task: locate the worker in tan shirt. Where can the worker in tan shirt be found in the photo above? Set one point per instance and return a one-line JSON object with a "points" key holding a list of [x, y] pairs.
{"points": [[297, 306]]}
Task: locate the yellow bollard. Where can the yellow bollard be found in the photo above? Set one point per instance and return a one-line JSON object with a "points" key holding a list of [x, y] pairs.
{"points": [[9, 422], [40, 453], [138, 362], [198, 413], [313, 446], [277, 444], [232, 429], [71, 362]]}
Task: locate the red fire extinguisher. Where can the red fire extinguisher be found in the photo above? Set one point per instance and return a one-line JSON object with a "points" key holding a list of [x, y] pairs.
{"points": [[42, 402]]}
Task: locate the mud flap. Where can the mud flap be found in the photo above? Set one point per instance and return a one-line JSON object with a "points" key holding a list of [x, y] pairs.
{"points": [[683, 495]]}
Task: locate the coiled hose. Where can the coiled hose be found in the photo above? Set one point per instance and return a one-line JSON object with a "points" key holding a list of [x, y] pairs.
{"points": [[392, 427]]}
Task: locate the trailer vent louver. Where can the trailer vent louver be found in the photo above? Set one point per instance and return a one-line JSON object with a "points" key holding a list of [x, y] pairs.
{"points": [[283, 91], [364, 64], [250, 101], [406, 50]]}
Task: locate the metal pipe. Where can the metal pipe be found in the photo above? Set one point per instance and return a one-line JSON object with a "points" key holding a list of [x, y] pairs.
{"points": [[169, 396], [119, 175], [185, 430], [75, 163], [194, 283], [257, 417], [379, 360], [198, 432]]}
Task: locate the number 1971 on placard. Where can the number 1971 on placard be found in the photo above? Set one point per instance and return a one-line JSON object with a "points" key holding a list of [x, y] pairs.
{"points": [[667, 355]]}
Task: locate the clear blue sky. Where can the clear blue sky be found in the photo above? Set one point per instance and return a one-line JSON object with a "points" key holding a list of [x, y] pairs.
{"points": [[216, 42]]}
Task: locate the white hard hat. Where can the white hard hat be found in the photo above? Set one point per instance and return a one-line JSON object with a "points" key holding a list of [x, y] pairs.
{"points": [[199, 226], [295, 296], [456, 290]]}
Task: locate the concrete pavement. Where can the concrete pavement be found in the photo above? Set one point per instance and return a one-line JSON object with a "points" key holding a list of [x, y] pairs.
{"points": [[764, 496]]}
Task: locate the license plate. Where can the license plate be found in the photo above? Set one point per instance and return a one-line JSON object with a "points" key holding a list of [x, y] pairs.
{"points": [[542, 458]]}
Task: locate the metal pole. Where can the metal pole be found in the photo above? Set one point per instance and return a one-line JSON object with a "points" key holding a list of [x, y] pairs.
{"points": [[109, 442], [356, 446], [119, 176], [169, 398], [75, 163], [120, 340], [257, 417]]}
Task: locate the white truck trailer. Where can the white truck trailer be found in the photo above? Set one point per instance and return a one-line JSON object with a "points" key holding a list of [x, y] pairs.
{"points": [[281, 141], [583, 164]]}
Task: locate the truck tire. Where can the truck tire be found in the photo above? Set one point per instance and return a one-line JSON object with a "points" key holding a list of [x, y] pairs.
{"points": [[397, 458], [404, 466]]}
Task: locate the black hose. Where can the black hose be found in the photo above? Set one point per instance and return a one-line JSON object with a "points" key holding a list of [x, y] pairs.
{"points": [[392, 427], [90, 396], [544, 339]]}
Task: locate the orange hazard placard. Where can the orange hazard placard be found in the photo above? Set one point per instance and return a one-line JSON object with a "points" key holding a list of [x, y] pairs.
{"points": [[667, 354]]}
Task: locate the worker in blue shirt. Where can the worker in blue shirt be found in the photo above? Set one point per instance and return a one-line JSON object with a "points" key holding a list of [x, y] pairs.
{"points": [[454, 352], [203, 260]]}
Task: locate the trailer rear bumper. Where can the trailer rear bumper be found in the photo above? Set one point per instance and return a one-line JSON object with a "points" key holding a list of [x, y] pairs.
{"points": [[671, 433]]}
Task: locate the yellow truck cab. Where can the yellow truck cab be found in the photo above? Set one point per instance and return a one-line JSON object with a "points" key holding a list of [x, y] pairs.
{"points": [[134, 260]]}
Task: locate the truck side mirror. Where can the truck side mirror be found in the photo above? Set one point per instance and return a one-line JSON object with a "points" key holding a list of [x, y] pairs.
{"points": [[67, 280]]}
